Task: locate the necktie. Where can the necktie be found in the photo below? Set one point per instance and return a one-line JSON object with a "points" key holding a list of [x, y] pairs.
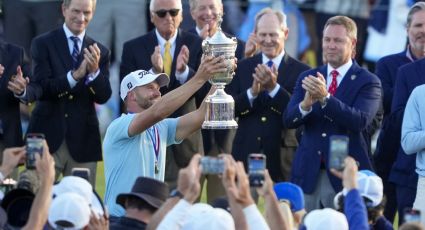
{"points": [[270, 64], [75, 52], [166, 59], [334, 83]]}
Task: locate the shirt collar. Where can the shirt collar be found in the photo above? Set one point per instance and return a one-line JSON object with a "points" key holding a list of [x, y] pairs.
{"points": [[276, 61], [198, 31], [162, 41], [342, 70], [69, 34]]}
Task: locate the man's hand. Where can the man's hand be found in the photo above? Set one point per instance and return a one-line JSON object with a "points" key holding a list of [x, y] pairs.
{"points": [[188, 180], [1, 70], [256, 87], [156, 59], [182, 59], [18, 83], [316, 86], [98, 223], [205, 32], [307, 102], [92, 57], [81, 72], [45, 165], [266, 77], [349, 175], [11, 158], [240, 190], [210, 66], [251, 45], [267, 188]]}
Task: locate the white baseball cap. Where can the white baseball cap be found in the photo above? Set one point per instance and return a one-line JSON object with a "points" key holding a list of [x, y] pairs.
{"points": [[205, 217], [325, 218], [69, 211], [139, 78]]}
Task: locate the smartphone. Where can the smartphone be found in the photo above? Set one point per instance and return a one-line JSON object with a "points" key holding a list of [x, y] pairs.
{"points": [[81, 172], [338, 151], [212, 165], [412, 215], [34, 146], [256, 167]]}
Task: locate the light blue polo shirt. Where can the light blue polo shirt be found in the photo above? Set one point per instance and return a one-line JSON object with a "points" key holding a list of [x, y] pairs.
{"points": [[127, 158]]}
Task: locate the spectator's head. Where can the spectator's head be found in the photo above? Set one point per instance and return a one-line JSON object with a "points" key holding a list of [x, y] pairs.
{"points": [[339, 40], [371, 189], [206, 12], [81, 187], [416, 29], [17, 204], [147, 194], [166, 15], [294, 195], [203, 216], [140, 89], [412, 226], [78, 14], [271, 31], [325, 218], [221, 202], [69, 211]]}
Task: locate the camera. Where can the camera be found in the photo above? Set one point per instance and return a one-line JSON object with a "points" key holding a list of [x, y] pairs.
{"points": [[34, 146], [256, 167], [81, 172], [338, 151], [212, 165], [412, 215]]}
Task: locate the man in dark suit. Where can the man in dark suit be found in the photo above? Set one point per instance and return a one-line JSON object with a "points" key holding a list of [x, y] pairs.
{"points": [[72, 71], [261, 88], [173, 51], [389, 138], [339, 98], [11, 65]]}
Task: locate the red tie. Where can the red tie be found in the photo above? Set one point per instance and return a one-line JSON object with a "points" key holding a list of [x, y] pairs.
{"points": [[334, 83]]}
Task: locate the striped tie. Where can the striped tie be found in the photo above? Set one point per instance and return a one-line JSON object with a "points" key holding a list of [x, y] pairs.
{"points": [[75, 52]]}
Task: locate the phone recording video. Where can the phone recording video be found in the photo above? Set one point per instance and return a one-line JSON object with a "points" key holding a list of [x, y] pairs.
{"points": [[338, 151], [34, 145], [212, 165], [81, 172], [256, 167], [412, 215]]}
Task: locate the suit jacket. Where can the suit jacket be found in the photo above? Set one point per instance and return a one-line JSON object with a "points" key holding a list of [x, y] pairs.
{"points": [[11, 57], [390, 134], [137, 55], [65, 113], [408, 77], [349, 113], [260, 126]]}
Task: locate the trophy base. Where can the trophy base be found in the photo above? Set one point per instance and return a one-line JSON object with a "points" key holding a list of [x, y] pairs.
{"points": [[220, 124]]}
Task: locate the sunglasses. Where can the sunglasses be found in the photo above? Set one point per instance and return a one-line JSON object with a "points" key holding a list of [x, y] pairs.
{"points": [[163, 13]]}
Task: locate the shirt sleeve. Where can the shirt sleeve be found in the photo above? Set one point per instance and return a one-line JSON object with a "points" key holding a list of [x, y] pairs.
{"points": [[175, 217], [254, 218]]}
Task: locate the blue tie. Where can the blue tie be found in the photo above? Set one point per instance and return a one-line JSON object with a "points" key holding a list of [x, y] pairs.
{"points": [[75, 52], [270, 64]]}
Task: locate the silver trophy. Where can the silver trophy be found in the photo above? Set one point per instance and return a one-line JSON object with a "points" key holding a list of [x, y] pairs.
{"points": [[220, 106]]}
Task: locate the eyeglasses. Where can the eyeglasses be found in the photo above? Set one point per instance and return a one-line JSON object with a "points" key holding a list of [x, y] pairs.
{"points": [[163, 13]]}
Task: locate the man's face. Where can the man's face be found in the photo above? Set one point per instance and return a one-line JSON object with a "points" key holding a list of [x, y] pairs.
{"points": [[168, 24], [205, 12], [337, 46], [147, 95], [416, 33], [270, 35], [78, 15]]}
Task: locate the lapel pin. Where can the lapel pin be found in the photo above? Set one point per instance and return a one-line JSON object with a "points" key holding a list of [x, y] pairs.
{"points": [[353, 77]]}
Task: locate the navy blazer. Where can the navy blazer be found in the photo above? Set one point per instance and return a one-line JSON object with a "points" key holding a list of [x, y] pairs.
{"points": [[11, 57], [408, 77], [349, 112], [260, 125], [65, 113]]}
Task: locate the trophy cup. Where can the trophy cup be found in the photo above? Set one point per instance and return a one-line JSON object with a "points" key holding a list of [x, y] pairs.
{"points": [[220, 106]]}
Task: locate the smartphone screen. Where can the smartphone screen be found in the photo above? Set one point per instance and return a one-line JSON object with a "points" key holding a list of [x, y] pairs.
{"points": [[338, 151], [34, 146], [212, 165], [256, 167], [81, 172], [412, 215]]}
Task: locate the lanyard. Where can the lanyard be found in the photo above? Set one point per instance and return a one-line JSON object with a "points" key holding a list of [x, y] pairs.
{"points": [[155, 143]]}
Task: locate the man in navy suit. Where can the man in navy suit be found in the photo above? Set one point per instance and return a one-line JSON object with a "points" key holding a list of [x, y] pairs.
{"points": [[389, 138], [150, 52], [261, 88], [71, 70], [339, 98], [11, 67]]}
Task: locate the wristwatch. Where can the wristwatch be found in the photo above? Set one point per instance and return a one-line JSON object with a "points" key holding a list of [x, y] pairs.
{"points": [[176, 193]]}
